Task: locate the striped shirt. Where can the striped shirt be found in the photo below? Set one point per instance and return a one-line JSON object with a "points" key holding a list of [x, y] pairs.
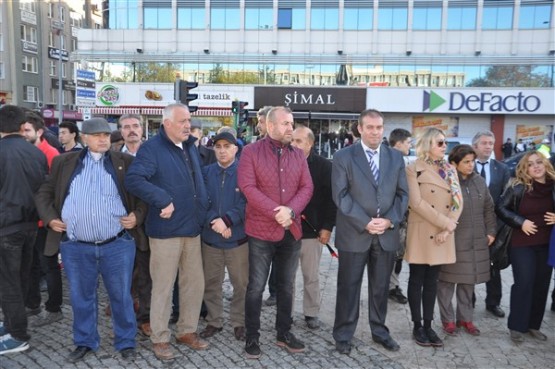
{"points": [[93, 206]]}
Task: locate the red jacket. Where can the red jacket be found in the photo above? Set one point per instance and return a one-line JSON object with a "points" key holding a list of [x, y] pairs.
{"points": [[271, 174]]}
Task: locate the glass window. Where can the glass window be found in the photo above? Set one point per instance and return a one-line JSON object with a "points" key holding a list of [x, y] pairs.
{"points": [[28, 5], [123, 14], [30, 64], [62, 43], [62, 14], [73, 44], [426, 19], [358, 19], [534, 16], [324, 18], [392, 18], [224, 18], [291, 18], [64, 70], [497, 17], [461, 18], [50, 10], [30, 93], [157, 18], [190, 18], [256, 18], [28, 33], [2, 72], [52, 68]]}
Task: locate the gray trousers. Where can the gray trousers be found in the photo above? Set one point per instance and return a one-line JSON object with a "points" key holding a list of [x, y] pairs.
{"points": [[445, 291]]}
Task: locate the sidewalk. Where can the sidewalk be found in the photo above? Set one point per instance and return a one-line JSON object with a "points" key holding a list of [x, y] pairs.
{"points": [[51, 345]]}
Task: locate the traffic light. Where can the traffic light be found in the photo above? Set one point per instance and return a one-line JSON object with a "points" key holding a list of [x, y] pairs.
{"points": [[184, 96], [235, 107], [243, 113]]}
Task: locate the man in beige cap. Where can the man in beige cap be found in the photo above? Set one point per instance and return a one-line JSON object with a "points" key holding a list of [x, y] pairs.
{"points": [[95, 223]]}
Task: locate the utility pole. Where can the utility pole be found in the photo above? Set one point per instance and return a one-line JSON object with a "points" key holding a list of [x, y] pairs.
{"points": [[60, 84]]}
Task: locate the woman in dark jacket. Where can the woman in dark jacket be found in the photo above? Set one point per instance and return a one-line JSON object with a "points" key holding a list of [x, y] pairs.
{"points": [[474, 233], [528, 206]]}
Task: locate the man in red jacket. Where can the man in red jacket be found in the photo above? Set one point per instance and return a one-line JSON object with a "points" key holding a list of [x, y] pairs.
{"points": [[275, 179]]}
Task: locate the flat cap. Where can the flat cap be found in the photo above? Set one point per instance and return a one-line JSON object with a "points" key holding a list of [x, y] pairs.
{"points": [[95, 125]]}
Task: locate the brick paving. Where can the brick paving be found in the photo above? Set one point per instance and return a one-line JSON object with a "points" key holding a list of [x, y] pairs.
{"points": [[50, 345]]}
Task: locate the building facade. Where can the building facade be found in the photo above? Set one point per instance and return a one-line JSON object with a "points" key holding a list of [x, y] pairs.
{"points": [[37, 38]]}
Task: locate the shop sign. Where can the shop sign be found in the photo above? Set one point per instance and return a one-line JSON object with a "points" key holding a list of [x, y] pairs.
{"points": [[334, 99]]}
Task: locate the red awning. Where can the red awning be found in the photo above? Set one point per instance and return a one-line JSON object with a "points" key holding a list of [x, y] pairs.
{"points": [[201, 112]]}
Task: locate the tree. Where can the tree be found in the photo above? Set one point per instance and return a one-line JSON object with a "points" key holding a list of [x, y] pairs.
{"points": [[511, 76], [155, 72], [217, 74]]}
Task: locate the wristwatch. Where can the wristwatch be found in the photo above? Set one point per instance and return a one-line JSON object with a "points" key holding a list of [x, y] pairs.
{"points": [[391, 225], [292, 213]]}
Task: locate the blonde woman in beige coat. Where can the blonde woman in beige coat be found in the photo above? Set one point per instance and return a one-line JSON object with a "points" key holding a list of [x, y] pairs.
{"points": [[435, 204]]}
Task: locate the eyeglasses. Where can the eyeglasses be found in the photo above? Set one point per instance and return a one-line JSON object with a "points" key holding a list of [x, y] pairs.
{"points": [[440, 143]]}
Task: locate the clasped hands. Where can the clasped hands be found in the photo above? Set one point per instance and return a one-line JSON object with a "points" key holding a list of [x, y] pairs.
{"points": [[441, 237], [378, 225], [283, 216], [219, 226]]}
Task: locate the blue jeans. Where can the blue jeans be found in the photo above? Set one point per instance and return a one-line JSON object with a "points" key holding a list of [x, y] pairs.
{"points": [[285, 257], [83, 264], [16, 257], [532, 276]]}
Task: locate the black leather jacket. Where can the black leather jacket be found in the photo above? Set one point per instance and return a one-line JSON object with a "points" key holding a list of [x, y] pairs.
{"points": [[509, 203]]}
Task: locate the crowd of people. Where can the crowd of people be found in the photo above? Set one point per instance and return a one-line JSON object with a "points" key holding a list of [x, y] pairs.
{"points": [[161, 221]]}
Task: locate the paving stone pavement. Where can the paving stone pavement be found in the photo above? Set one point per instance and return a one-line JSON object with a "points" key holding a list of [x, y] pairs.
{"points": [[51, 345]]}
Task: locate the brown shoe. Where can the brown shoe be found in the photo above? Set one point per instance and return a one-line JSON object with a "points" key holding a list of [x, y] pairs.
{"points": [[193, 341], [144, 329], [239, 333], [209, 331], [163, 351]]}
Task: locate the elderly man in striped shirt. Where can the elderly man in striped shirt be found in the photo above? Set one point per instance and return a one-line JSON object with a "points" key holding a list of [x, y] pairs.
{"points": [[95, 223]]}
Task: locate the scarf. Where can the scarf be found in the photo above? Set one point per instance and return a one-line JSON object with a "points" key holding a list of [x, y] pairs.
{"points": [[449, 174]]}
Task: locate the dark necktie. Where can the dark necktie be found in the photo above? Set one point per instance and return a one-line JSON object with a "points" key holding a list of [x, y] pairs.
{"points": [[483, 171], [373, 167]]}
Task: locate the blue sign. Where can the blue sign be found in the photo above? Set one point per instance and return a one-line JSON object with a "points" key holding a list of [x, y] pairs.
{"points": [[86, 74], [86, 93]]}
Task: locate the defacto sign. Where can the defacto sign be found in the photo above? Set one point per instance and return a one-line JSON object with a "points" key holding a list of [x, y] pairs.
{"points": [[465, 101], [483, 102]]}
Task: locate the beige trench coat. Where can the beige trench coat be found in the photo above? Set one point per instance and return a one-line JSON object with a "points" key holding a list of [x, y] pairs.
{"points": [[429, 213]]}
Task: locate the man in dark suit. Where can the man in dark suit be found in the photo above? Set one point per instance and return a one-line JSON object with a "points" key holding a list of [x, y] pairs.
{"points": [[96, 224], [207, 155], [369, 187], [497, 175]]}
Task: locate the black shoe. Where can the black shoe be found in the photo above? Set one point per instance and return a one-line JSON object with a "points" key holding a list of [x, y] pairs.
{"points": [[420, 336], [252, 348], [434, 340], [312, 322], [343, 347], [32, 311], [78, 354], [388, 343], [128, 353], [496, 310], [396, 294], [290, 342]]}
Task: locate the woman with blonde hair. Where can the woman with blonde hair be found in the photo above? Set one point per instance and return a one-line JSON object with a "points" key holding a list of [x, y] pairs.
{"points": [[435, 204], [528, 205]]}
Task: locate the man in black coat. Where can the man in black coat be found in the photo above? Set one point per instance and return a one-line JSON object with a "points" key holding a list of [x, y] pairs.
{"points": [[318, 220], [22, 170]]}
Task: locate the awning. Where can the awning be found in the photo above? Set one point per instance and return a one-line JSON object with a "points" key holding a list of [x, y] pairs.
{"points": [[201, 112]]}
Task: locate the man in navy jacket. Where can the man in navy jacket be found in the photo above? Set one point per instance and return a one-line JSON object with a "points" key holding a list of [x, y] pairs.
{"points": [[167, 175], [224, 242]]}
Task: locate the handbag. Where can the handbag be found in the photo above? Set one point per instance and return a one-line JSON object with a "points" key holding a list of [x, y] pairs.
{"points": [[499, 250]]}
